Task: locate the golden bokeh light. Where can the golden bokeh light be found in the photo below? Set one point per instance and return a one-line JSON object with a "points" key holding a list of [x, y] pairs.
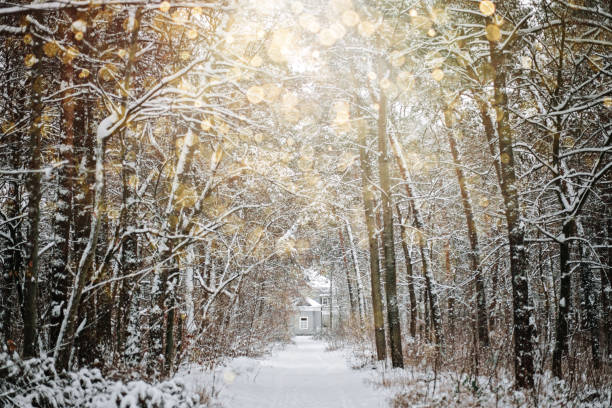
{"points": [[255, 94], [350, 18], [84, 73], [281, 45], [493, 33], [30, 60], [272, 92], [326, 37], [164, 6], [437, 74], [256, 61], [51, 49], [337, 30], [487, 7], [338, 6], [192, 34], [397, 59], [309, 23], [366, 28]]}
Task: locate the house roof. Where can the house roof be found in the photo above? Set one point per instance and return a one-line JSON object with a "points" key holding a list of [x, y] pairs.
{"points": [[306, 301]]}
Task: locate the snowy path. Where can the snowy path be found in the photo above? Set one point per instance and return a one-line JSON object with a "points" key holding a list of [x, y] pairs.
{"points": [[303, 375]]}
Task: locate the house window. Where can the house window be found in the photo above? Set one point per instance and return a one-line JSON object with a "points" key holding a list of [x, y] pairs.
{"points": [[325, 301], [303, 323]]}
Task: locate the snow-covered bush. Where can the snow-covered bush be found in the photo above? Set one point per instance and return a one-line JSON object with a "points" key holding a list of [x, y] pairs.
{"points": [[444, 389], [36, 383]]}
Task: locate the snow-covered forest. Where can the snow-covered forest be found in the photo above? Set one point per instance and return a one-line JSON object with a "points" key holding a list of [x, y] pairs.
{"points": [[173, 175]]}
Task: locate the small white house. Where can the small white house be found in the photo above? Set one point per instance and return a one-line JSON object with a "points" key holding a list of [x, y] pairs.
{"points": [[307, 319], [315, 309]]}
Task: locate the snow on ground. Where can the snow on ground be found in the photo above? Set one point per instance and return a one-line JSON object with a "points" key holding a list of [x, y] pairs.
{"points": [[302, 375]]}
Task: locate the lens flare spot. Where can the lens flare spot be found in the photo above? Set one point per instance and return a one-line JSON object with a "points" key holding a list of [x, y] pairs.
{"points": [[366, 29], [309, 23], [327, 37], [437, 74], [493, 33], [397, 59], [487, 7], [30, 60], [257, 61], [164, 6], [84, 73], [350, 18], [255, 94]]}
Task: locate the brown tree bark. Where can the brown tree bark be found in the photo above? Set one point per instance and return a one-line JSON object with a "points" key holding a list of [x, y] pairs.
{"points": [[368, 204], [523, 330], [63, 219], [33, 187], [393, 320], [409, 272]]}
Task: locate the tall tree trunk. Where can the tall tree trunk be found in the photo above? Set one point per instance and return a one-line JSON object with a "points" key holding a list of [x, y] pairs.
{"points": [[13, 265], [451, 278], [606, 283], [393, 319], [129, 249], [63, 349], [523, 330], [409, 272], [33, 187], [432, 295], [360, 299], [165, 294], [349, 283], [368, 204], [590, 319], [565, 296], [474, 256], [489, 134], [59, 266]]}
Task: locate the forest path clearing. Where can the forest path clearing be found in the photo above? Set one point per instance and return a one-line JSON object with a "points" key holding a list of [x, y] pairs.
{"points": [[303, 375]]}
